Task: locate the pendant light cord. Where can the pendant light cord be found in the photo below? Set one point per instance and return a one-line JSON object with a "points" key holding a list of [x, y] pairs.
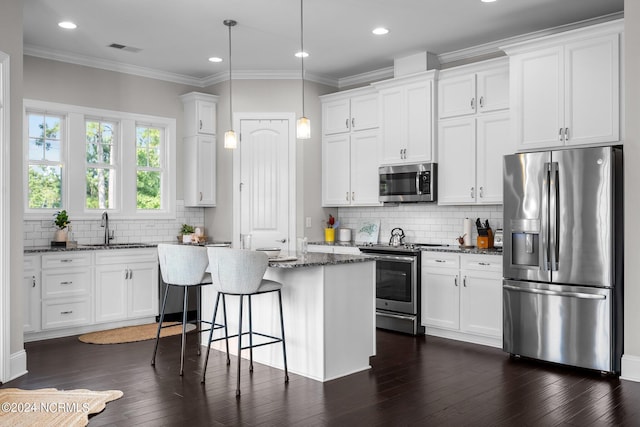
{"points": [[302, 52], [232, 23]]}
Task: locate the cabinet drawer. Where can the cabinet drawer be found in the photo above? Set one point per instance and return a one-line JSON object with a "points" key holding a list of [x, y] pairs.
{"points": [[490, 263], [60, 314], [440, 260], [66, 260], [126, 256], [66, 283]]}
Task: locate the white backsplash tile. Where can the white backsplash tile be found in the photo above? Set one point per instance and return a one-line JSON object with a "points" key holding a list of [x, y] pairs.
{"points": [[39, 232], [422, 222]]}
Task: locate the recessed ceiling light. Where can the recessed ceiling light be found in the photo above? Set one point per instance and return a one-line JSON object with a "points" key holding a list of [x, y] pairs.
{"points": [[487, 1], [301, 54], [215, 59], [67, 25], [380, 31]]}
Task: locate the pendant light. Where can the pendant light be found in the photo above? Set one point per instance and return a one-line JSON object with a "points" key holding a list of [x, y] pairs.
{"points": [[230, 137], [303, 125]]}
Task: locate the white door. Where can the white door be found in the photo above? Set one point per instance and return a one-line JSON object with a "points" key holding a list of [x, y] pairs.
{"points": [[264, 182]]}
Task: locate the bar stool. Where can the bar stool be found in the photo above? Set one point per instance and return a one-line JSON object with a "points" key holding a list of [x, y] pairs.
{"points": [[182, 266], [240, 272]]}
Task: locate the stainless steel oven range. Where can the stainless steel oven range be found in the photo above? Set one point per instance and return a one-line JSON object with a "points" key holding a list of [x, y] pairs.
{"points": [[397, 287]]}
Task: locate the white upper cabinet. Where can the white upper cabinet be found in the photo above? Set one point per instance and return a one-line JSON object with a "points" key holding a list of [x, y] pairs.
{"points": [[406, 118], [469, 89], [199, 149], [199, 113], [348, 111], [350, 148], [565, 89], [475, 133]]}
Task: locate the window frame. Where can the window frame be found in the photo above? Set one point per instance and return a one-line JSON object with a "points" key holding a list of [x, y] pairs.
{"points": [[74, 177], [163, 160], [116, 166]]}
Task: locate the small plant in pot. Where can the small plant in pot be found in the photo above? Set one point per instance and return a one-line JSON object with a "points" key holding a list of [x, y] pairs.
{"points": [[186, 232], [61, 221]]}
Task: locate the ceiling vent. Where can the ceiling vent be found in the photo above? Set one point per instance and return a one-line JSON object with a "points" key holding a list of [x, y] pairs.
{"points": [[125, 48]]}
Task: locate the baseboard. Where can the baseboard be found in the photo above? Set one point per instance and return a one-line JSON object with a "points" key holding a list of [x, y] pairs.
{"points": [[17, 364], [630, 368]]}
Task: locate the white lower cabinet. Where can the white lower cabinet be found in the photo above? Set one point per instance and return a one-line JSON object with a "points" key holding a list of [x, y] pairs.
{"points": [[72, 292], [462, 297], [31, 285], [126, 285]]}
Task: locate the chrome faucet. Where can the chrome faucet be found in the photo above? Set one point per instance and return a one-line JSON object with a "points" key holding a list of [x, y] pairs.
{"points": [[105, 223]]}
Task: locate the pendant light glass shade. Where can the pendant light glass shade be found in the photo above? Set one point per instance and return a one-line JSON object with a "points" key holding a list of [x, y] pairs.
{"points": [[303, 128], [303, 125], [230, 138]]}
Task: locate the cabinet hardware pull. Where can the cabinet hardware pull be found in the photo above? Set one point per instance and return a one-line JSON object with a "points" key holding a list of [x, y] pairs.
{"points": [[66, 260], [200, 124], [126, 274], [484, 263], [566, 134], [560, 134], [353, 195], [66, 283], [346, 123], [481, 192], [472, 192], [346, 197], [130, 274], [201, 196], [66, 312], [282, 240], [455, 280], [464, 281], [440, 260], [482, 102], [353, 123], [473, 102], [33, 280]]}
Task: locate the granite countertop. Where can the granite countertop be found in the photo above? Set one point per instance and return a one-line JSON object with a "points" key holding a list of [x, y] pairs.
{"points": [[111, 246], [314, 259], [473, 250]]}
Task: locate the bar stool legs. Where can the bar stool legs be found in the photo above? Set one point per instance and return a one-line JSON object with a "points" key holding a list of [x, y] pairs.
{"points": [[284, 346], [239, 346], [164, 304]]}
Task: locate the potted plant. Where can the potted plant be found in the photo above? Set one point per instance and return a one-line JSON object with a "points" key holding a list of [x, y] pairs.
{"points": [[61, 221], [186, 231]]}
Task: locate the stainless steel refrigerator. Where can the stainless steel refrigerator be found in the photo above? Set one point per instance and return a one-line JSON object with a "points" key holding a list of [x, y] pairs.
{"points": [[562, 259]]}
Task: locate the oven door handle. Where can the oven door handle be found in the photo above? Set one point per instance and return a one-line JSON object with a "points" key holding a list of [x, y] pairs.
{"points": [[392, 257]]}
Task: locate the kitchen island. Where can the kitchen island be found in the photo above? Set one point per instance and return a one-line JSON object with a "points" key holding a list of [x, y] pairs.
{"points": [[329, 315]]}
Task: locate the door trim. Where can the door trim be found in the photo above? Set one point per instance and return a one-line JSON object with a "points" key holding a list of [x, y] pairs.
{"points": [[237, 117], [5, 236]]}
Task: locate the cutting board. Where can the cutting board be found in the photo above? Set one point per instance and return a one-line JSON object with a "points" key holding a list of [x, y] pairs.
{"points": [[367, 232]]}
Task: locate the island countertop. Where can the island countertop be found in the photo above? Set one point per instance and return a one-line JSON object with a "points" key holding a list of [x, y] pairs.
{"points": [[314, 259]]}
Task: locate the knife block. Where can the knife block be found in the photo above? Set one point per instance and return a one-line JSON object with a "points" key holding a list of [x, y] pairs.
{"points": [[485, 242]]}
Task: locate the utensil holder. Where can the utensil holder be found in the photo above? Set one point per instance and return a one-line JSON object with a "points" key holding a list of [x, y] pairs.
{"points": [[329, 235]]}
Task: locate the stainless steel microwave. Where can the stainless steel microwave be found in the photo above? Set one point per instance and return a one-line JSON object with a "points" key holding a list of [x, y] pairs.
{"points": [[408, 183]]}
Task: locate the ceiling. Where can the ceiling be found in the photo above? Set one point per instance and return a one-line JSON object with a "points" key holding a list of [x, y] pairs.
{"points": [[176, 37]]}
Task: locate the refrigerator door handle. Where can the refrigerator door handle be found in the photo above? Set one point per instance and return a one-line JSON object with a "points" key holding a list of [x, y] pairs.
{"points": [[580, 295], [554, 234], [544, 209]]}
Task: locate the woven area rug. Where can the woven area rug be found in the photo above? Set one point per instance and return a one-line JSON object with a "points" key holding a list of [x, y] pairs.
{"points": [[52, 407], [133, 333]]}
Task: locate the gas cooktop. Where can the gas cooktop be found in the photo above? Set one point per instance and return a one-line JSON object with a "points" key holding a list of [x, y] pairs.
{"points": [[403, 247]]}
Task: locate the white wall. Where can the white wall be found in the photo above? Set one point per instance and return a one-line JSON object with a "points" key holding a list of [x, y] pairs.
{"points": [[631, 358], [267, 96]]}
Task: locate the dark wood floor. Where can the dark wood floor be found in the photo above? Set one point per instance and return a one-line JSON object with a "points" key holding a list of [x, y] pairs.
{"points": [[413, 381]]}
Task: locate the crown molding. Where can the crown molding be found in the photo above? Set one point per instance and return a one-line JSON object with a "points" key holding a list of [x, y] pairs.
{"points": [[267, 75], [368, 77], [494, 47]]}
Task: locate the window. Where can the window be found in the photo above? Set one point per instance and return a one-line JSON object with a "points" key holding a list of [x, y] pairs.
{"points": [[45, 160], [101, 168], [88, 160], [150, 170]]}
